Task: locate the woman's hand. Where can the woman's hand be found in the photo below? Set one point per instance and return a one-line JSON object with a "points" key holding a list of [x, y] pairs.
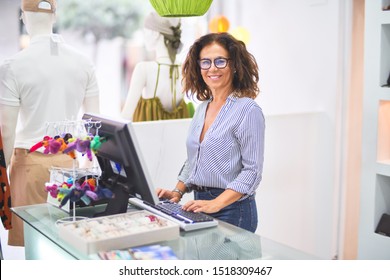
{"points": [[167, 194], [205, 206], [175, 195], [212, 206]]}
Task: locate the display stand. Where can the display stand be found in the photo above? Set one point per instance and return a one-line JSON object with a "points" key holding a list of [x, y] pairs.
{"points": [[73, 218], [73, 138]]}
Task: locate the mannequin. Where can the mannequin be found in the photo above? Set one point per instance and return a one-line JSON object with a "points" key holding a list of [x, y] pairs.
{"points": [[48, 81], [38, 23], [160, 80]]}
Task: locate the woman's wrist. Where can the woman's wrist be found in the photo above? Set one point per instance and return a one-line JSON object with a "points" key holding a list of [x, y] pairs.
{"points": [[180, 192]]}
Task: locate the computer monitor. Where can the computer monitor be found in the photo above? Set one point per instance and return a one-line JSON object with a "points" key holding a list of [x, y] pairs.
{"points": [[123, 169]]}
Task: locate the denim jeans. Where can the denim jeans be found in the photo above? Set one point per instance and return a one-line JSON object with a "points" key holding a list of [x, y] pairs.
{"points": [[242, 214]]}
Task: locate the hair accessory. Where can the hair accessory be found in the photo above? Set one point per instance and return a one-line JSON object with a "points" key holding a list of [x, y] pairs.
{"points": [[89, 183], [52, 189], [81, 190], [55, 145], [66, 137], [63, 190], [72, 195], [97, 142], [43, 143], [83, 146], [85, 189]]}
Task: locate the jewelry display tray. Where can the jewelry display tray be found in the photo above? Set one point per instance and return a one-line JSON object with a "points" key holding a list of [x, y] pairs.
{"points": [[119, 231]]}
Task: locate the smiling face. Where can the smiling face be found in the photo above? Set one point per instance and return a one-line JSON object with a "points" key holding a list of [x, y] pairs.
{"points": [[217, 79]]}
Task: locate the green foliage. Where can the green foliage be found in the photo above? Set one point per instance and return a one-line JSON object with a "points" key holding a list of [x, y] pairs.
{"points": [[105, 19]]}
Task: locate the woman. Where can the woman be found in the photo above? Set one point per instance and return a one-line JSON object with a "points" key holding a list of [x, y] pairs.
{"points": [[225, 144]]}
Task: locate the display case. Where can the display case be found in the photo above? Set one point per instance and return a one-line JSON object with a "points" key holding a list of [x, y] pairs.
{"points": [[223, 242]]}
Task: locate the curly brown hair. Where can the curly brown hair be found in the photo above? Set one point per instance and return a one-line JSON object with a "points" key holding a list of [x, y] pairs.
{"points": [[243, 64]]}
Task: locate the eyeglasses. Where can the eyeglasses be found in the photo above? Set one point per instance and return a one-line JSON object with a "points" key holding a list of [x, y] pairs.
{"points": [[219, 62]]}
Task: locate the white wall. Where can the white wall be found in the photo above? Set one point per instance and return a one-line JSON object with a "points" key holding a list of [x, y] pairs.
{"points": [[295, 200], [9, 28], [299, 48]]}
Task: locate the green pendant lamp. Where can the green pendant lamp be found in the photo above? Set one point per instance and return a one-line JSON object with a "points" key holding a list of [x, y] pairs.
{"points": [[181, 8]]}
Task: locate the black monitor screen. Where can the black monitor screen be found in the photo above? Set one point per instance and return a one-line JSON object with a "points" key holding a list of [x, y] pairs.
{"points": [[121, 162]]}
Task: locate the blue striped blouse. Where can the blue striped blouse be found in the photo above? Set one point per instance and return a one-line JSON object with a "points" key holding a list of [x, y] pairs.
{"points": [[231, 154]]}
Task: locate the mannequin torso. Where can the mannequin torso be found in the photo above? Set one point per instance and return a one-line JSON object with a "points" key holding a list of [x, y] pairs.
{"points": [[151, 79], [42, 81]]}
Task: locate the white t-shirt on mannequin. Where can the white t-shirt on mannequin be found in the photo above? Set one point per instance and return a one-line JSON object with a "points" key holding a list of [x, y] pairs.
{"points": [[145, 75], [46, 82]]}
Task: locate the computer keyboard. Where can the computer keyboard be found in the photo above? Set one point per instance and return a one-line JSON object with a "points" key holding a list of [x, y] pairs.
{"points": [[172, 211], [175, 209]]}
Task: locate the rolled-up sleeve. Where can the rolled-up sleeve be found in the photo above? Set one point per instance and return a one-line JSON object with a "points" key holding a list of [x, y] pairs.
{"points": [[250, 135]]}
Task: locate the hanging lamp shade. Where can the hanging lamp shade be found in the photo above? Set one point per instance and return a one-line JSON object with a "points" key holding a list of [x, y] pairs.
{"points": [[242, 34], [219, 24], [181, 8]]}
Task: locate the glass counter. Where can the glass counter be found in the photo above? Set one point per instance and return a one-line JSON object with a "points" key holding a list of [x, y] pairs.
{"points": [[224, 242]]}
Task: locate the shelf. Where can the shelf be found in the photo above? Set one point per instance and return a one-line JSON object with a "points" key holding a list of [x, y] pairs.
{"points": [[383, 237], [383, 168], [385, 17], [383, 142], [378, 248], [385, 3], [384, 95], [385, 54], [382, 198], [385, 14]]}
